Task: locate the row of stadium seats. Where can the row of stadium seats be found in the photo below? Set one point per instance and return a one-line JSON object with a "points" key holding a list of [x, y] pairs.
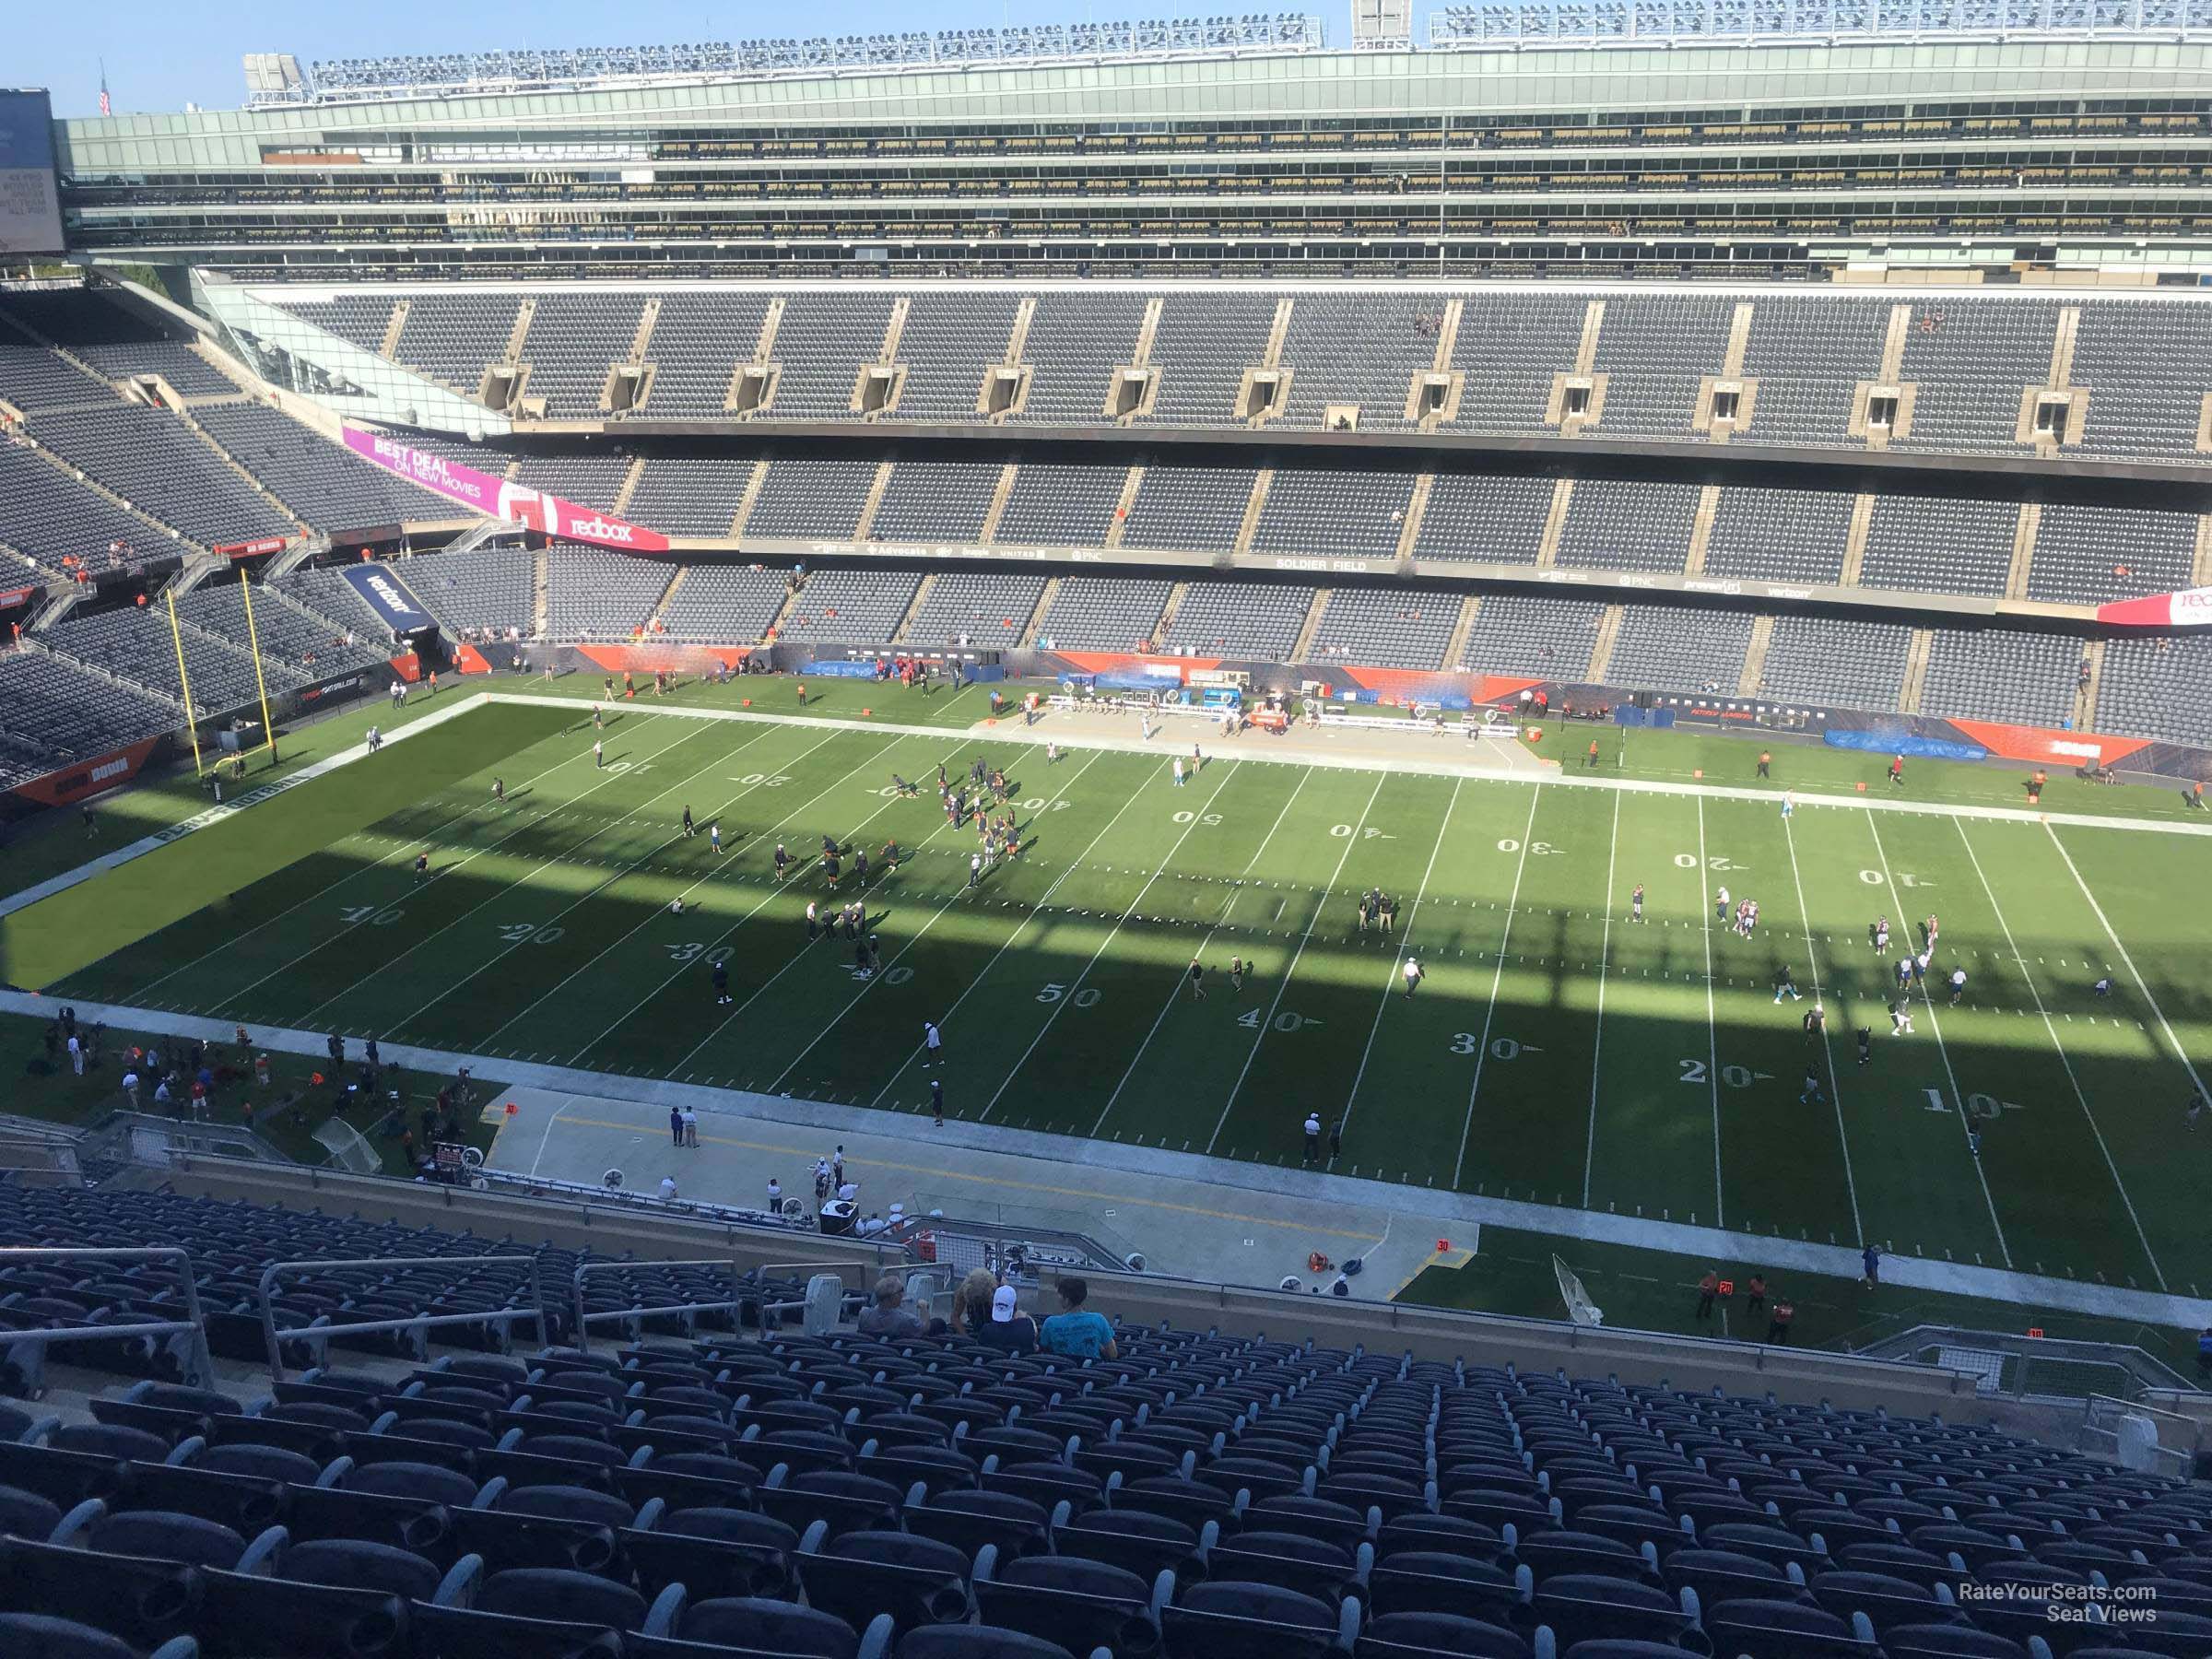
{"points": [[96, 681], [1971, 356], [1200, 1494]]}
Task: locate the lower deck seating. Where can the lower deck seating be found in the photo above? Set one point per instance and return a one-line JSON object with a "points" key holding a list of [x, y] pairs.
{"points": [[671, 1492]]}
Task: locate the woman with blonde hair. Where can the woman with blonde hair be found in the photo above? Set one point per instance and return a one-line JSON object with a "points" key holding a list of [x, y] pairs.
{"points": [[971, 1302]]}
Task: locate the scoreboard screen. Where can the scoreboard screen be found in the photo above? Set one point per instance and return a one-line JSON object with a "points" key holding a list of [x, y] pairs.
{"points": [[30, 207]]}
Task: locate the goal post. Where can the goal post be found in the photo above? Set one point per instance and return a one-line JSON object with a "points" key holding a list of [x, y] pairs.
{"points": [[348, 1149], [1580, 1308]]}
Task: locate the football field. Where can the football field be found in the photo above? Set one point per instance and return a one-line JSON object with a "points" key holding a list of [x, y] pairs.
{"points": [[1555, 1050]]}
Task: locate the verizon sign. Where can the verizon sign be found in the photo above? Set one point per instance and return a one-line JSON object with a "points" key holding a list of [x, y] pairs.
{"points": [[498, 498]]}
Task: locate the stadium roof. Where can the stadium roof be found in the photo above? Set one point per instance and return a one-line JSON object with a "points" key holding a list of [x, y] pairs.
{"points": [[1491, 22]]}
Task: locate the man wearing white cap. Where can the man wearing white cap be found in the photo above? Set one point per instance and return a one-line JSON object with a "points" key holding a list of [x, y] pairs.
{"points": [[1009, 1332]]}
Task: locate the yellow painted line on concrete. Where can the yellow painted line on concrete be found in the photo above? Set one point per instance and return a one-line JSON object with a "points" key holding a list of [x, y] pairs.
{"points": [[1020, 1187]]}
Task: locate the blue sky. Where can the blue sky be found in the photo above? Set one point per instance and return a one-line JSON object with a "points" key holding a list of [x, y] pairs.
{"points": [[161, 57]]}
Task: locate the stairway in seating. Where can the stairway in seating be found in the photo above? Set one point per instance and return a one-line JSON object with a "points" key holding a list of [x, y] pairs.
{"points": [[1310, 627], [1916, 671], [922, 590]]}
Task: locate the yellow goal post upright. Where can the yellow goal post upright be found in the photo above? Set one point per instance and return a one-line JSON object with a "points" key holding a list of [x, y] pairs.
{"points": [[192, 720], [261, 684]]}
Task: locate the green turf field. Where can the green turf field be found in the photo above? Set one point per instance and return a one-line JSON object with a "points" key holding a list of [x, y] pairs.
{"points": [[1556, 1050]]}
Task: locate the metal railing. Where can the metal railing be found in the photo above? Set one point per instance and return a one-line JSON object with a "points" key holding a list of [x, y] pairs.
{"points": [[2022, 1367], [2181, 1439], [585, 1320], [420, 1322], [199, 1365]]}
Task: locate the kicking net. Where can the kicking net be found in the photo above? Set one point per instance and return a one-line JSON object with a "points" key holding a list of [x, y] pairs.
{"points": [[1580, 1308]]}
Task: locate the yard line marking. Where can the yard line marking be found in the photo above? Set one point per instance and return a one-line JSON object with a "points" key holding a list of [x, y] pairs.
{"points": [[796, 957], [501, 955], [766, 899], [1935, 1024], [1169, 1001], [1037, 909], [1497, 979], [2128, 962], [1406, 939], [707, 875], [1304, 939], [958, 892], [1713, 1023], [401, 844], [1111, 934], [235, 998], [1835, 1086], [1597, 1042], [2050, 1026]]}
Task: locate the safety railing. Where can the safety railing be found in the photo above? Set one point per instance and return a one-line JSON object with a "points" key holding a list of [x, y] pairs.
{"points": [[197, 1368], [536, 1310], [744, 1294], [584, 1322], [2181, 1439]]}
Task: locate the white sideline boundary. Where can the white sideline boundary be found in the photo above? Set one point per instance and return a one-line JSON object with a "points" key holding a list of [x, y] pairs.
{"points": [[1317, 1186], [216, 815], [1011, 731]]}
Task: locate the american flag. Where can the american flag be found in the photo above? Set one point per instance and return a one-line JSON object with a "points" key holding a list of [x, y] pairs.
{"points": [[106, 108]]}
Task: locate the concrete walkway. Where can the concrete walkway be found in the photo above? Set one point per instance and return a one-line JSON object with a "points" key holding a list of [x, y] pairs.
{"points": [[1145, 1186]]}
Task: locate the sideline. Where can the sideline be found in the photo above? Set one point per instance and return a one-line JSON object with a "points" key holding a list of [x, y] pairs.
{"points": [[1056, 1155], [209, 817], [1011, 731]]}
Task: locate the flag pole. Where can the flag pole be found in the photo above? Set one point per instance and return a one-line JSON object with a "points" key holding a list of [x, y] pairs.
{"points": [[192, 721], [261, 685]]}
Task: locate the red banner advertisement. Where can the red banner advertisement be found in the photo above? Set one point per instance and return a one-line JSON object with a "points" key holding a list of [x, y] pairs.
{"points": [[11, 597], [88, 778], [2192, 608], [249, 549], [500, 499]]}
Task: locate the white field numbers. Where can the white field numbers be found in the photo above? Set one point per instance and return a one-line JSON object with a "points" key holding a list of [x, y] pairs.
{"points": [[1736, 1076], [1978, 1104], [530, 933], [1502, 1048], [1198, 817], [357, 914], [1904, 880], [1343, 831], [1537, 849], [693, 950], [1088, 997], [1252, 1019], [1689, 861]]}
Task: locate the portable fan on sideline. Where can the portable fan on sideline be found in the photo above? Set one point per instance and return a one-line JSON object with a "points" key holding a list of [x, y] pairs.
{"points": [[1580, 1308]]}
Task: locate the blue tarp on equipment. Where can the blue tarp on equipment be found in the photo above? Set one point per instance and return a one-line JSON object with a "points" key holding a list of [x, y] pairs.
{"points": [[839, 670], [1905, 744]]}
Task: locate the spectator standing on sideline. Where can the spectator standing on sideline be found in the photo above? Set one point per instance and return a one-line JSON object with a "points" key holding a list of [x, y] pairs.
{"points": [[1871, 1259], [937, 1102], [130, 1088], [1766, 764], [676, 1127], [1755, 1295], [1312, 1138], [1076, 1332], [690, 1128], [77, 1054], [775, 1196], [1336, 1140], [2204, 1353]]}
